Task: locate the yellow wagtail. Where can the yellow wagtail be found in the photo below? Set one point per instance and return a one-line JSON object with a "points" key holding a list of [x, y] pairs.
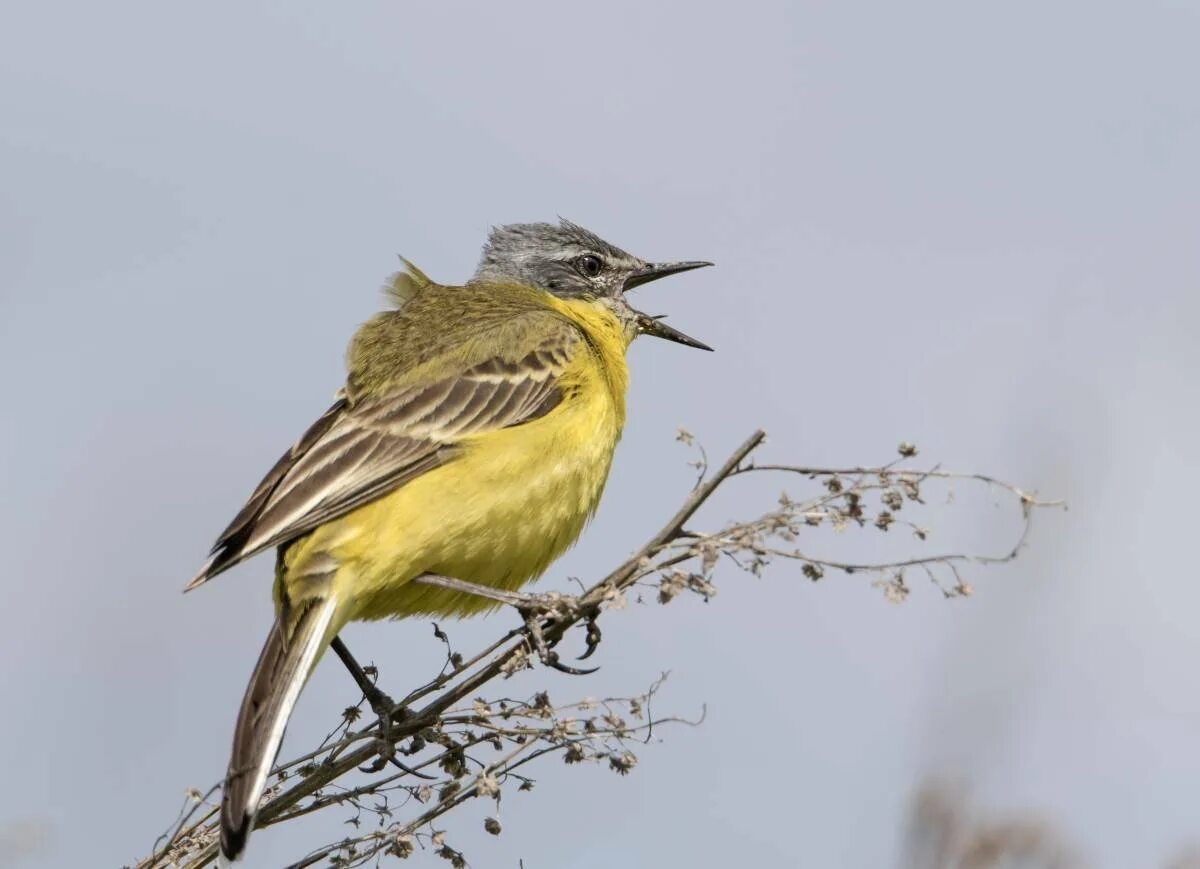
{"points": [[472, 440]]}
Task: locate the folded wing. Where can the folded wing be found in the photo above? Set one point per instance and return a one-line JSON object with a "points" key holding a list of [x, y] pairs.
{"points": [[358, 451]]}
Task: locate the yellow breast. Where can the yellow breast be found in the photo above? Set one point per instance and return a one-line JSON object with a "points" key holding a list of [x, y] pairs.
{"points": [[500, 513]]}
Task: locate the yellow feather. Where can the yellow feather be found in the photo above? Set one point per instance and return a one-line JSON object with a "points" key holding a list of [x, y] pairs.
{"points": [[497, 515]]}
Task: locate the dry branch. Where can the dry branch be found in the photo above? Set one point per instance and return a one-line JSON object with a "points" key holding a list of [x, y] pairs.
{"points": [[444, 727]]}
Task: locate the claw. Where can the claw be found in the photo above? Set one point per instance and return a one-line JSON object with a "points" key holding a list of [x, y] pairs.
{"points": [[385, 751], [555, 664], [387, 754], [385, 708], [593, 638]]}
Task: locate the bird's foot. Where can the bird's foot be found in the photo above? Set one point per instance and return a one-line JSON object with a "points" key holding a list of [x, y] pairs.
{"points": [[548, 605], [534, 609], [385, 708], [388, 711]]}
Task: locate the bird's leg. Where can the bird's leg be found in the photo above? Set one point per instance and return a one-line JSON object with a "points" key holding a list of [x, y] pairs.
{"points": [[550, 604], [532, 607], [382, 705]]}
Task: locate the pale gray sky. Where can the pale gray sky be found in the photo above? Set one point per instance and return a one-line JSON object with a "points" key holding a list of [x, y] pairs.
{"points": [[973, 226]]}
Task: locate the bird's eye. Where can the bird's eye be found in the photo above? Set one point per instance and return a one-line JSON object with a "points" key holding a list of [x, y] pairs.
{"points": [[589, 265]]}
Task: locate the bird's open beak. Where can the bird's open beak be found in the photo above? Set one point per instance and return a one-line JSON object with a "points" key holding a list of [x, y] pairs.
{"points": [[650, 325]]}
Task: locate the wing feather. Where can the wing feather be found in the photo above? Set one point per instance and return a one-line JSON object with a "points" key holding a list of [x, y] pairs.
{"points": [[357, 452]]}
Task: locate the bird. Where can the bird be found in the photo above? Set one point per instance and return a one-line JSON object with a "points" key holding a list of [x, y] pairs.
{"points": [[472, 439]]}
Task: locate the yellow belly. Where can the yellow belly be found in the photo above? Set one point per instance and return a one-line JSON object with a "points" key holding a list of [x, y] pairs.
{"points": [[498, 515]]}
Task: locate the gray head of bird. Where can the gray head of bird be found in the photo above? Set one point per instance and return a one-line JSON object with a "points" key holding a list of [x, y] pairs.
{"points": [[571, 262]]}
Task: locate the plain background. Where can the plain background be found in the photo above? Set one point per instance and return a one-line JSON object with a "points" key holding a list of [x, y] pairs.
{"points": [[973, 226]]}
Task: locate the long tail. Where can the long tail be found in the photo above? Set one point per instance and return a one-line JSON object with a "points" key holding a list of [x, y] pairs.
{"points": [[280, 674]]}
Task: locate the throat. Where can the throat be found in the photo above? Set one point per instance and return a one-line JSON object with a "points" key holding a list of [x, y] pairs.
{"points": [[608, 340]]}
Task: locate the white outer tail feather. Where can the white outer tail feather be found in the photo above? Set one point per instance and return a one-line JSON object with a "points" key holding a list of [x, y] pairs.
{"points": [[314, 643]]}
